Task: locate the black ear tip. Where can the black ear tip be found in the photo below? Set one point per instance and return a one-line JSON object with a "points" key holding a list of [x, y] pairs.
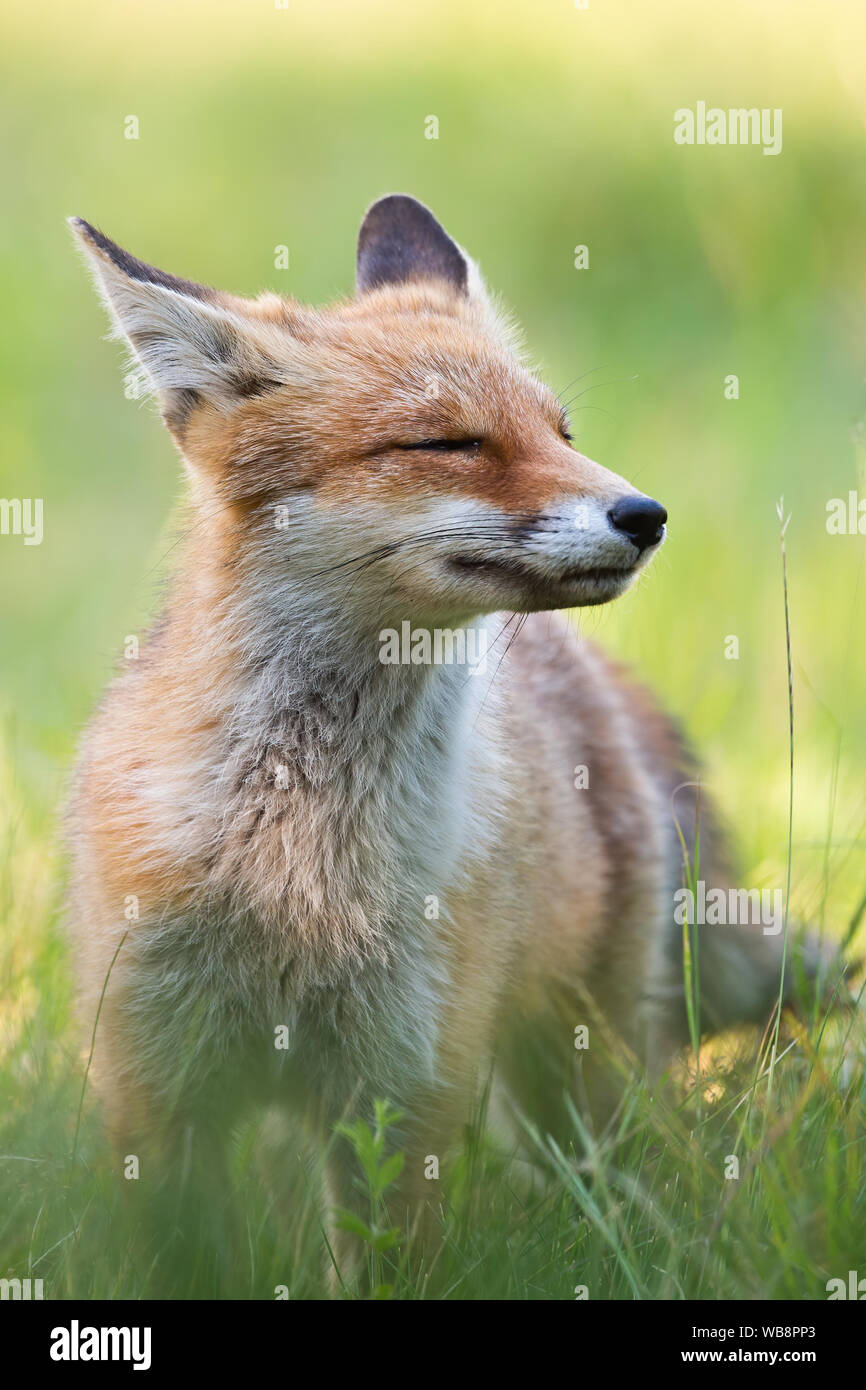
{"points": [[95, 237], [397, 202], [400, 240], [131, 266], [398, 211], [99, 242]]}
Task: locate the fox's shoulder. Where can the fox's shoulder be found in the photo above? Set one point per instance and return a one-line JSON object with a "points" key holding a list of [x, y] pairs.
{"points": [[568, 679], [591, 705]]}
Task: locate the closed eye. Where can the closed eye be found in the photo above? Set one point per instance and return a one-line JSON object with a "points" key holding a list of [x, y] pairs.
{"points": [[443, 446]]}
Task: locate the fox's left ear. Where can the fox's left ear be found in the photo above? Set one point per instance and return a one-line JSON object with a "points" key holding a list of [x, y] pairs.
{"points": [[191, 342], [401, 242]]}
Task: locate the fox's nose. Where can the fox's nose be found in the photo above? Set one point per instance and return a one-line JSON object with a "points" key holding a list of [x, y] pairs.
{"points": [[639, 518]]}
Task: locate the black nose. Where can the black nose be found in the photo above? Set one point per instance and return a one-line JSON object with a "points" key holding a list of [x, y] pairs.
{"points": [[640, 518]]}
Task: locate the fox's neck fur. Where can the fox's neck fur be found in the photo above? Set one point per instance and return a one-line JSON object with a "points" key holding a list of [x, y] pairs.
{"points": [[341, 791]]}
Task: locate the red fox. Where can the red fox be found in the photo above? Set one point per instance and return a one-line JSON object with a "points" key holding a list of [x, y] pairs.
{"points": [[315, 864]]}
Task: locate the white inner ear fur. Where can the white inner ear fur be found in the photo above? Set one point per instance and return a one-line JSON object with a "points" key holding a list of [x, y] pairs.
{"points": [[180, 343]]}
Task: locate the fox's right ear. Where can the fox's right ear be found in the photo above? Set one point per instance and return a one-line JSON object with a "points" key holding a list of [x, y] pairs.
{"points": [[402, 243], [187, 339]]}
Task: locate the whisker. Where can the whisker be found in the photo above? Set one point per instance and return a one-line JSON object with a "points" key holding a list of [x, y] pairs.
{"points": [[559, 394], [597, 386], [488, 530], [521, 619], [428, 540]]}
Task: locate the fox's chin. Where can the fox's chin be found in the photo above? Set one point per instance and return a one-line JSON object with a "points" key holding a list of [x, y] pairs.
{"points": [[508, 584]]}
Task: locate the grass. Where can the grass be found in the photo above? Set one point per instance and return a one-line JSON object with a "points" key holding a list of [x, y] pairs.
{"points": [[555, 130], [647, 1211]]}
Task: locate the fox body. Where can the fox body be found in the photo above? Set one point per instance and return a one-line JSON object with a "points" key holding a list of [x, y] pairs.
{"points": [[392, 868]]}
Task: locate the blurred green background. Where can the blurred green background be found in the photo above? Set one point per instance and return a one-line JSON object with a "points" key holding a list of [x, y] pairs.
{"points": [[261, 126]]}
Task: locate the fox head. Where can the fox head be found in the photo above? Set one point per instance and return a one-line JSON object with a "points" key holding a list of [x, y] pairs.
{"points": [[390, 453]]}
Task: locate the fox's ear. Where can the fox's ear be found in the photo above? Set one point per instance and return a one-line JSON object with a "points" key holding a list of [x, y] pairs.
{"points": [[189, 341], [401, 241]]}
